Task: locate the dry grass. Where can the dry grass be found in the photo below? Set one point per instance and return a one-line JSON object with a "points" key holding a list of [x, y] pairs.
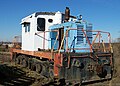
{"points": [[116, 77]]}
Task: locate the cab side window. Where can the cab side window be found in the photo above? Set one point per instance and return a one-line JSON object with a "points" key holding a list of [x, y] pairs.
{"points": [[27, 27], [40, 24]]}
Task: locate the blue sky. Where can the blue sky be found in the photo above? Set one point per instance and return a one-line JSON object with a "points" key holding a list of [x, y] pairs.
{"points": [[103, 14]]}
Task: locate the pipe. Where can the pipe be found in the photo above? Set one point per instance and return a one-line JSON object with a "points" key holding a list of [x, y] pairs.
{"points": [[67, 14]]}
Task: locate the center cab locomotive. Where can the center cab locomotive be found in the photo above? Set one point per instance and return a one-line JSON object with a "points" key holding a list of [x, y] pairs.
{"points": [[63, 47]]}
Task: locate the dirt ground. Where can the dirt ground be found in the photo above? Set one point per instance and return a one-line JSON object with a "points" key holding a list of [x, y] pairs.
{"points": [[16, 75]]}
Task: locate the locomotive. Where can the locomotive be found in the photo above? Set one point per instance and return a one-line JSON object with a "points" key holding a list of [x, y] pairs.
{"points": [[64, 47]]}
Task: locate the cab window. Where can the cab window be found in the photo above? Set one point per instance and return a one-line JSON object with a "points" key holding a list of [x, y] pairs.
{"points": [[40, 24], [27, 27]]}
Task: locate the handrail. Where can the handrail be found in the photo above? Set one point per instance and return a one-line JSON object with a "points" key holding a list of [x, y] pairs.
{"points": [[85, 36], [97, 36], [90, 44], [44, 36], [63, 40]]}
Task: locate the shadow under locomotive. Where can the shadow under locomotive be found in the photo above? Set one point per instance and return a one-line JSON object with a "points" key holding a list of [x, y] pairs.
{"points": [[10, 76]]}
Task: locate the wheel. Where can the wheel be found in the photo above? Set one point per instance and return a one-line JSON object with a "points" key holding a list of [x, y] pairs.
{"points": [[38, 68], [21, 59], [17, 60], [45, 69], [76, 74], [33, 66], [14, 57], [24, 63], [29, 63], [51, 75]]}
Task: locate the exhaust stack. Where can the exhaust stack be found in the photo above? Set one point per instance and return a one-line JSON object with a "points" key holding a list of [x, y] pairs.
{"points": [[67, 14]]}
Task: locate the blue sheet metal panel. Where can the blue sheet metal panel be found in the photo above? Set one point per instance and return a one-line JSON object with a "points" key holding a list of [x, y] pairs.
{"points": [[72, 36], [76, 38], [56, 26], [52, 43], [53, 35], [80, 34], [89, 32]]}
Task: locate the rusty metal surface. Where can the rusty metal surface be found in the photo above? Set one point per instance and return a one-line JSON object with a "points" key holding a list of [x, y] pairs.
{"points": [[41, 54]]}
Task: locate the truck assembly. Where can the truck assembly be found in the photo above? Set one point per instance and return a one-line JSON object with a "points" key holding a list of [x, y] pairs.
{"points": [[64, 47]]}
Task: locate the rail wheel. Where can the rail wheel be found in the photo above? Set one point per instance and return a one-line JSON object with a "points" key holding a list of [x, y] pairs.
{"points": [[38, 67], [51, 75], [29, 63], [24, 63], [33, 66], [21, 59], [44, 70], [17, 60]]}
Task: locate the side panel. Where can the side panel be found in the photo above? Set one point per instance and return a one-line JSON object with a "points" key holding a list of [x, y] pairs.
{"points": [[84, 68], [42, 39], [28, 36], [32, 42]]}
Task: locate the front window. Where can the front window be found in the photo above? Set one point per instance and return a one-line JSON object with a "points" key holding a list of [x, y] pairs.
{"points": [[40, 24]]}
